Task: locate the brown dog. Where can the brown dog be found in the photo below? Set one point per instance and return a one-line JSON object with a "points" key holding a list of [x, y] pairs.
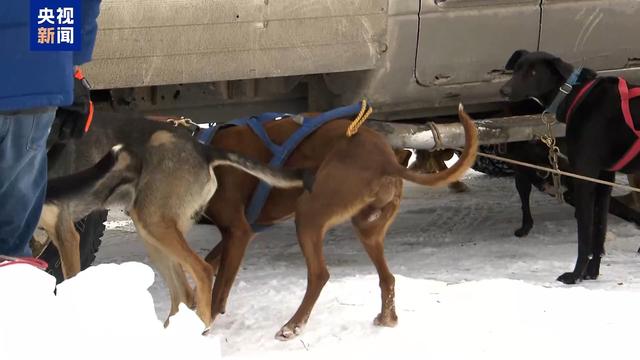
{"points": [[433, 162], [357, 178], [163, 178]]}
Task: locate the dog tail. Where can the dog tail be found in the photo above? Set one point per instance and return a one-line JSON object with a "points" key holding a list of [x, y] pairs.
{"points": [[454, 173], [281, 178], [80, 183]]}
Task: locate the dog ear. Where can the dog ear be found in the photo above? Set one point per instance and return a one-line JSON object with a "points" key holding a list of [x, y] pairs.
{"points": [[515, 57], [562, 67]]}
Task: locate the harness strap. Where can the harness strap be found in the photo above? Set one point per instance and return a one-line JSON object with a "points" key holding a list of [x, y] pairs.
{"points": [[625, 96], [283, 152], [205, 136], [280, 152], [259, 130], [578, 99], [564, 90], [623, 88]]}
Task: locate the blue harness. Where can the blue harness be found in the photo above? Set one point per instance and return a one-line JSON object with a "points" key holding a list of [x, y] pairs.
{"points": [[280, 152]]}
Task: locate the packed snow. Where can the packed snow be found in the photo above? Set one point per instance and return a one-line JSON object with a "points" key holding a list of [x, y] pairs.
{"points": [[106, 312], [465, 288]]}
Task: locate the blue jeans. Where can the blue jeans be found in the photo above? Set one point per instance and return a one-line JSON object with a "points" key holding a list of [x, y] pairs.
{"points": [[23, 176]]}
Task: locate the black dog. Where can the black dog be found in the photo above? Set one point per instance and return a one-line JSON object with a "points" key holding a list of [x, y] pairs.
{"points": [[598, 139], [535, 152]]}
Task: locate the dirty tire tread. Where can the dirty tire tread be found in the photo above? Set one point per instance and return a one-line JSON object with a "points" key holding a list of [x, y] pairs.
{"points": [[491, 167]]}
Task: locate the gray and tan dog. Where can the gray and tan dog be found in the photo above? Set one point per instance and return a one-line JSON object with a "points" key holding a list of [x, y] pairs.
{"points": [[163, 178]]}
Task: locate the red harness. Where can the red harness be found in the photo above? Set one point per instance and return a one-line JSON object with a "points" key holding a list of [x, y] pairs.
{"points": [[626, 94]]}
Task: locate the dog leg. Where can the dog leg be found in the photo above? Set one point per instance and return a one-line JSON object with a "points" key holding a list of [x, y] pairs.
{"points": [[422, 162], [371, 234], [310, 232], [434, 162], [201, 272], [601, 211], [172, 274], [584, 193], [626, 206], [213, 257], [458, 187], [619, 208], [524, 190], [234, 244], [171, 242], [66, 239], [634, 180]]}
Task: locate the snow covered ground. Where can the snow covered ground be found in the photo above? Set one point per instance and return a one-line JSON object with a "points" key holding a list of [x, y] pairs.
{"points": [[106, 312], [465, 286]]}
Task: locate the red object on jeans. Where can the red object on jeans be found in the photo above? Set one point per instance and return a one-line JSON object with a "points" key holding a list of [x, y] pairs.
{"points": [[10, 260]]}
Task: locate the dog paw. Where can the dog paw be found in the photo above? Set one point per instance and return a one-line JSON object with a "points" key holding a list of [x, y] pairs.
{"points": [[386, 321], [593, 269], [522, 232], [591, 273], [288, 332], [458, 187], [569, 278]]}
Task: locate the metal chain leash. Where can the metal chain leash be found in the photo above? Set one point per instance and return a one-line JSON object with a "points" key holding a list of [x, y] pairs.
{"points": [[550, 140]]}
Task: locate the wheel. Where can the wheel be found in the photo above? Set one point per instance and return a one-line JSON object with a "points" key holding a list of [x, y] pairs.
{"points": [[490, 166], [91, 230]]}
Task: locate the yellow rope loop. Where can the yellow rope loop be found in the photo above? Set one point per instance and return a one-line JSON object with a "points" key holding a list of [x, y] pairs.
{"points": [[437, 138], [363, 115], [183, 121]]}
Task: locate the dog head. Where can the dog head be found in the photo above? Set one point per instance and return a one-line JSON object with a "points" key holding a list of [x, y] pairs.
{"points": [[536, 75]]}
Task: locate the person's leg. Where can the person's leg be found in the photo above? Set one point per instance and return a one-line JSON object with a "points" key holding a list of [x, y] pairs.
{"points": [[23, 177]]}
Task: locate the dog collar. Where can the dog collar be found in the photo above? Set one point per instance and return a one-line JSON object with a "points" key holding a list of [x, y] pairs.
{"points": [[564, 90]]}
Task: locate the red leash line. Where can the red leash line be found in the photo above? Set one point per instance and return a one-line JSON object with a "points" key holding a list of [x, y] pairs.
{"points": [[10, 260], [90, 117]]}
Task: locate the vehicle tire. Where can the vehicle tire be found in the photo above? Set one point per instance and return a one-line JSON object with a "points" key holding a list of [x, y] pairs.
{"points": [[91, 229], [490, 166]]}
